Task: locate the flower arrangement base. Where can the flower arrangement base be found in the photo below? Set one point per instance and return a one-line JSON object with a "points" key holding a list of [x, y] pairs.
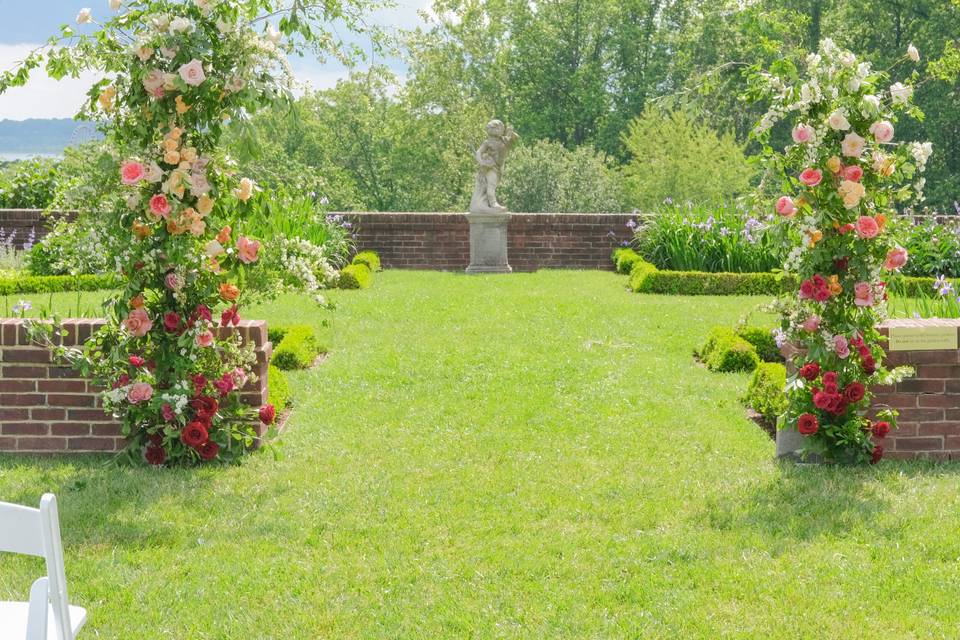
{"points": [[46, 408]]}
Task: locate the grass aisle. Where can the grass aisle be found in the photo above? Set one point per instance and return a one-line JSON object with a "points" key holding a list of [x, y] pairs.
{"points": [[530, 456]]}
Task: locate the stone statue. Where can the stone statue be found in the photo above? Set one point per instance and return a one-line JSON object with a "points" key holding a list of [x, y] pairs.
{"points": [[490, 157]]}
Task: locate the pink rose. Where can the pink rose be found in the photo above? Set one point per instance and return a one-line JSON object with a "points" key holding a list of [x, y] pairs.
{"points": [[139, 392], [853, 173], [132, 172], [199, 184], [867, 227], [167, 412], [841, 347], [811, 177], [247, 250], [174, 281], [863, 294], [882, 131], [192, 73], [138, 323], [811, 324], [204, 339], [154, 81], [239, 377], [159, 205], [896, 258], [786, 207], [852, 145], [802, 133]]}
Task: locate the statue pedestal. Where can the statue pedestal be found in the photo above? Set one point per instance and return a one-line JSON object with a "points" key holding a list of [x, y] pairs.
{"points": [[488, 243]]}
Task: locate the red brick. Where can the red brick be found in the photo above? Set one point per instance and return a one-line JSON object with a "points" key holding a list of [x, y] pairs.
{"points": [[96, 415], [945, 428], [106, 430], [48, 413], [919, 444], [17, 386], [920, 386], [938, 400], [26, 354], [8, 413], [63, 385], [24, 429], [70, 400], [8, 444], [42, 443], [70, 429], [91, 444], [23, 372], [21, 399]]}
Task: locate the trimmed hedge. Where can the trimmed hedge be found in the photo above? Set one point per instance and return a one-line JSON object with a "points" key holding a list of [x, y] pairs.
{"points": [[624, 258], [275, 334], [763, 341], [725, 351], [765, 392], [55, 284], [369, 258], [355, 276], [278, 393], [298, 348]]}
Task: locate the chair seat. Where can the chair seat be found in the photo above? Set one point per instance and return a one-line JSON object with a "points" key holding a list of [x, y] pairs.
{"points": [[13, 620]]}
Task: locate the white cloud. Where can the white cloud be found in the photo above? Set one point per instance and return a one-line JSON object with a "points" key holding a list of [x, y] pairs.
{"points": [[42, 96]]}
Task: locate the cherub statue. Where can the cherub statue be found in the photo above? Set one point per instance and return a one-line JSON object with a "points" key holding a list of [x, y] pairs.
{"points": [[490, 157]]}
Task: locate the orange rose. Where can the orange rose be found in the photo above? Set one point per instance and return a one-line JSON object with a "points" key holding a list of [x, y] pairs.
{"points": [[224, 236], [229, 292], [136, 302], [141, 230], [881, 220]]}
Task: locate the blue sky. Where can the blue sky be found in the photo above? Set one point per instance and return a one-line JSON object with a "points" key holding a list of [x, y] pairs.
{"points": [[28, 23]]}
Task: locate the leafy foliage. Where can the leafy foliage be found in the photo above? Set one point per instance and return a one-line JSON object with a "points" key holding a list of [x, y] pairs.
{"points": [[765, 391], [298, 348]]}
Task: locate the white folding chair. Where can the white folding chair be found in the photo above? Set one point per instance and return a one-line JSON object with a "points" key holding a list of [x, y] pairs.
{"points": [[48, 615]]}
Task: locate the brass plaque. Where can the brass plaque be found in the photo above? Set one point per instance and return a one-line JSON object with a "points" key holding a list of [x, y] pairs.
{"points": [[922, 338]]}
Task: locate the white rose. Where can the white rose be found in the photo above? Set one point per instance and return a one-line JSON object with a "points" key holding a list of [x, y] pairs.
{"points": [[160, 22], [913, 53], [115, 4], [85, 16], [854, 83], [847, 59], [204, 5], [900, 93], [224, 27], [852, 145], [838, 121], [181, 25], [192, 73], [871, 105]]}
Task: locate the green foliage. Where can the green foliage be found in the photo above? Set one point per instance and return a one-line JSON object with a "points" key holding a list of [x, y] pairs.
{"points": [[672, 156], [765, 391], [639, 274], [731, 353], [933, 246], [715, 336], [645, 278], [624, 259], [298, 348], [369, 258], [28, 184], [278, 393], [275, 333], [719, 238], [53, 284], [763, 341], [71, 247], [355, 276], [546, 177]]}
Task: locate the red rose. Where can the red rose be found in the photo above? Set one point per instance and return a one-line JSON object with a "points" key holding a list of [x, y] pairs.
{"points": [[199, 382], [806, 289], [202, 312], [155, 438], [810, 371], [137, 361], [807, 424], [154, 454], [224, 385], [841, 264], [830, 377], [208, 450], [194, 434], [205, 407], [171, 321], [230, 316], [876, 455], [854, 392], [821, 294], [881, 429], [122, 381], [869, 366], [268, 413], [821, 400], [819, 282]]}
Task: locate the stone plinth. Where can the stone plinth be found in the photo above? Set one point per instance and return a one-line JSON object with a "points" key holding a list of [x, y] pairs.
{"points": [[488, 242]]}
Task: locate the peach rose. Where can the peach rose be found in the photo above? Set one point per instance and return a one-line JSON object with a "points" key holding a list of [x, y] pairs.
{"points": [[852, 145], [192, 73], [229, 292], [863, 294], [132, 172], [204, 205], [213, 249], [851, 192], [247, 250], [138, 323], [153, 81], [834, 164], [139, 392], [896, 258], [811, 177], [204, 339], [867, 227], [245, 191], [786, 206], [223, 237]]}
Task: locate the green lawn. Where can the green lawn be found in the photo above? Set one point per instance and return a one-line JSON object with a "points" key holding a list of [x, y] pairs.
{"points": [[524, 456]]}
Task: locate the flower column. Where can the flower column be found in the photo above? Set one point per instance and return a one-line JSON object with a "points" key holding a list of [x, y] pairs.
{"points": [[843, 174]]}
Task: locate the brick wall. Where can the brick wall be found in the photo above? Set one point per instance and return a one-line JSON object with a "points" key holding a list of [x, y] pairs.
{"points": [[21, 222], [929, 403], [45, 407], [536, 240]]}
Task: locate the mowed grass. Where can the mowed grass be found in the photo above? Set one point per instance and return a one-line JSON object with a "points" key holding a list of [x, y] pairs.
{"points": [[522, 456]]}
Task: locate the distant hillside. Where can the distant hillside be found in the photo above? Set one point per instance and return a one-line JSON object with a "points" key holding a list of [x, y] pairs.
{"points": [[38, 136]]}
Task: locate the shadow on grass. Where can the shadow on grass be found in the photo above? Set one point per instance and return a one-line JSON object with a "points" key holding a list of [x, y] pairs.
{"points": [[805, 502]]}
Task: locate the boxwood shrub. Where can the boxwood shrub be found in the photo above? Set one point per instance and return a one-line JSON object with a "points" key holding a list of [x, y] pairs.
{"points": [[55, 284], [279, 389], [369, 258], [355, 276], [725, 351], [298, 348], [765, 391], [763, 341], [624, 258]]}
